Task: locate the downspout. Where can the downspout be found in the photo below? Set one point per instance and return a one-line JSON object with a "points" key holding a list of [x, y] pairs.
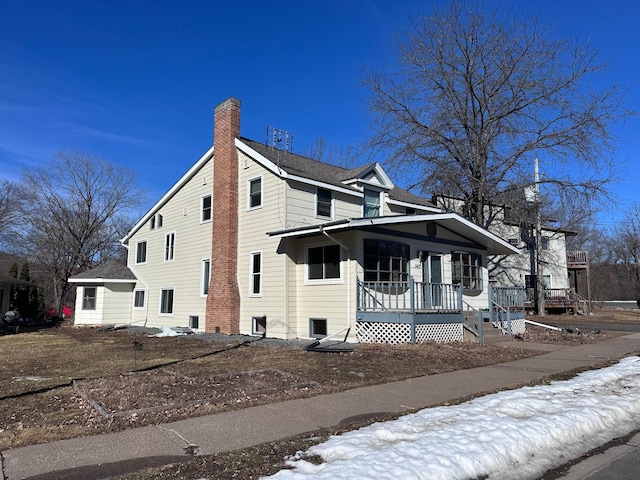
{"points": [[350, 286], [146, 287]]}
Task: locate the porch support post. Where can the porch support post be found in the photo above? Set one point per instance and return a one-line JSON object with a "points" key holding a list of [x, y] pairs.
{"points": [[412, 299]]}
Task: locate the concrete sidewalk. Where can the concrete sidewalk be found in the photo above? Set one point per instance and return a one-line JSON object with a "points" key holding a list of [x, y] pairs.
{"points": [[102, 455]]}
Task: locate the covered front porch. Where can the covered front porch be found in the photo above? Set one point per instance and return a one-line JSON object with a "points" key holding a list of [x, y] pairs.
{"points": [[412, 312]]}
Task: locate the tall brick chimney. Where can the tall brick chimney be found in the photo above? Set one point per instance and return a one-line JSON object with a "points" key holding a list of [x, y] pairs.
{"points": [[223, 299]]}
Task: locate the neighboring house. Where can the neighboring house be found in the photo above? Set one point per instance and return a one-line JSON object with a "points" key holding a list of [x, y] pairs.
{"points": [[556, 263], [257, 240]]}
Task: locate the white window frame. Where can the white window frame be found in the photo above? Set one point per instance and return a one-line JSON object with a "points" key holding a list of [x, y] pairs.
{"points": [[173, 298], [255, 324], [331, 204], [146, 252], [144, 298], [202, 209], [464, 275], [205, 276], [86, 298], [170, 247], [253, 274], [364, 202], [255, 207], [323, 280]]}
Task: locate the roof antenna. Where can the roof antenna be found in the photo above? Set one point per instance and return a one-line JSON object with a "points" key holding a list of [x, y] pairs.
{"points": [[280, 139]]}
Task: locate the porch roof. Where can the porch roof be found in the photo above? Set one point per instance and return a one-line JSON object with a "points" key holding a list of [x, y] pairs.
{"points": [[448, 221]]}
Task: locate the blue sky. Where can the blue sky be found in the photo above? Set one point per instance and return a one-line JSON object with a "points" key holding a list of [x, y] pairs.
{"points": [[137, 81]]}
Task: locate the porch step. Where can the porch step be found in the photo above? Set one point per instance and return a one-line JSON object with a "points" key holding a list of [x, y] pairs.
{"points": [[492, 334]]}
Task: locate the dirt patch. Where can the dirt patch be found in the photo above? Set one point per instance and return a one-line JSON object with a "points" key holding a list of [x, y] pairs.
{"points": [[155, 391], [564, 336]]}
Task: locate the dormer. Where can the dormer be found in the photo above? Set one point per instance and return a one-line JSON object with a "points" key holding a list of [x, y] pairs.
{"points": [[372, 175]]}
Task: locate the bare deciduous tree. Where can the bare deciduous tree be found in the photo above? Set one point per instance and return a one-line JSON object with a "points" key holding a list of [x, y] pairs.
{"points": [[9, 200], [626, 246], [74, 211], [476, 95]]}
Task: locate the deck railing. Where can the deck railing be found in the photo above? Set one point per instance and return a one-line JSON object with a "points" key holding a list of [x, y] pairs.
{"points": [[578, 257], [409, 296]]}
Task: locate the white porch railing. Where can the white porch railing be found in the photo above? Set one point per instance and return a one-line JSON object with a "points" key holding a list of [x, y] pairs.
{"points": [[409, 296]]}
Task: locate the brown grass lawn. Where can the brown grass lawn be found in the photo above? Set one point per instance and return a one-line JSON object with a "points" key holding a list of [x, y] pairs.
{"points": [[67, 382]]}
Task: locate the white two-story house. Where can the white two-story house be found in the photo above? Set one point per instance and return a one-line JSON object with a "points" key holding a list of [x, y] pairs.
{"points": [[260, 241]]}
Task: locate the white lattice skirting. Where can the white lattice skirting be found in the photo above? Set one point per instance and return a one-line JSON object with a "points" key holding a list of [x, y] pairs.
{"points": [[517, 326], [394, 333]]}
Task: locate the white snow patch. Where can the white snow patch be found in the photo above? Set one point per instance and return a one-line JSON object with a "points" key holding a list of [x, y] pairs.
{"points": [[513, 434]]}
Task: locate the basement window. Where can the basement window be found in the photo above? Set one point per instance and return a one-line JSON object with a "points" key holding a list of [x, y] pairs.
{"points": [[317, 327], [259, 325]]}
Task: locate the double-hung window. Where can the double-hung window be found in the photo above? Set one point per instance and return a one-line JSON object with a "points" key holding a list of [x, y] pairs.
{"points": [[466, 269], [371, 203], [205, 277], [254, 199], [166, 301], [205, 209], [255, 274], [169, 246], [323, 263], [323, 203], [89, 298], [141, 252], [138, 299]]}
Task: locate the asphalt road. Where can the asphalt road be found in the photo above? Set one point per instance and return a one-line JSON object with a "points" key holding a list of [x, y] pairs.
{"points": [[578, 322]]}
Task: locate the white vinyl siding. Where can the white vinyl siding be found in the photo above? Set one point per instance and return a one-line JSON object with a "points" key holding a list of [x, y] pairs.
{"points": [[182, 214]]}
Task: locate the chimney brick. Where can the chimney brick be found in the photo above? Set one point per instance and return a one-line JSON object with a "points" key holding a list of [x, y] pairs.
{"points": [[223, 299]]}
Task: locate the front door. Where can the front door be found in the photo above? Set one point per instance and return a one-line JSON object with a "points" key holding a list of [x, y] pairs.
{"points": [[432, 277]]}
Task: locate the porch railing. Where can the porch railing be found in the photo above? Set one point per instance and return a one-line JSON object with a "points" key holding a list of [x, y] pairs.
{"points": [[409, 296]]}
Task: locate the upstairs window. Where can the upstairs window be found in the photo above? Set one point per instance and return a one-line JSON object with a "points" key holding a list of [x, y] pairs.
{"points": [[255, 193], [169, 246], [141, 252], [371, 203], [323, 202], [323, 263], [467, 270], [205, 209], [385, 261]]}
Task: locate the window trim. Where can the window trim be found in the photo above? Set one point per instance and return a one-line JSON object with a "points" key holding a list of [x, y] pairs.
{"points": [[144, 298], [318, 203], [479, 286], [205, 272], [202, 209], [324, 280], [253, 274], [404, 267], [249, 182], [136, 262], [312, 321], [86, 298], [255, 322], [170, 249], [160, 302], [365, 205]]}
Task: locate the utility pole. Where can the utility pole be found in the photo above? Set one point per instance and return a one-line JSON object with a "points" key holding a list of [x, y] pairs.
{"points": [[538, 244]]}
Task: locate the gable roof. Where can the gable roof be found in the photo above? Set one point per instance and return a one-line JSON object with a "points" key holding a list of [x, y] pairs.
{"points": [[298, 167], [305, 169], [112, 272]]}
